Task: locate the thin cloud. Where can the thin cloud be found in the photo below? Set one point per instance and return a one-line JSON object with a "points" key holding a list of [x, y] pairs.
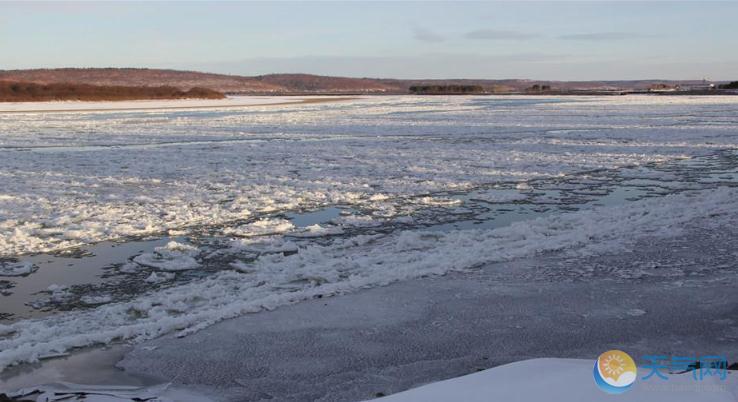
{"points": [[425, 35], [605, 36], [494, 34]]}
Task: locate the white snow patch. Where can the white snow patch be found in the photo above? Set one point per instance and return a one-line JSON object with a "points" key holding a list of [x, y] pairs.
{"points": [[564, 380]]}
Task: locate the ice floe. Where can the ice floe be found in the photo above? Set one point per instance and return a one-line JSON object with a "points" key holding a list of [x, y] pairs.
{"points": [[356, 221], [16, 268], [317, 231], [172, 257], [159, 277], [261, 227]]}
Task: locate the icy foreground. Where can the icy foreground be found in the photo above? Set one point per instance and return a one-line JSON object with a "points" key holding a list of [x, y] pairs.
{"points": [[75, 392], [563, 380], [352, 264], [74, 179]]}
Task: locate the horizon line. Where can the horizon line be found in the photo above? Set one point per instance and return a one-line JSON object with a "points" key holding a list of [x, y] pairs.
{"points": [[365, 77]]}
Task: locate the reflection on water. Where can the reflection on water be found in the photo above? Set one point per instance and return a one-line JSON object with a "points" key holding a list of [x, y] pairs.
{"points": [[92, 366], [304, 219], [85, 267]]}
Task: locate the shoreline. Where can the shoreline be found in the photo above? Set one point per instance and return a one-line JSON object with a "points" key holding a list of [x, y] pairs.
{"points": [[169, 104], [301, 99]]}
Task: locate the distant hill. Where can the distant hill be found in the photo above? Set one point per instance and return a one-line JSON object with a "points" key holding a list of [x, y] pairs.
{"points": [[184, 80], [319, 83], [297, 83], [14, 91]]}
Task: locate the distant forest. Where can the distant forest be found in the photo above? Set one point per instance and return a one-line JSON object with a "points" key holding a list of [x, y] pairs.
{"points": [[30, 92], [446, 89]]}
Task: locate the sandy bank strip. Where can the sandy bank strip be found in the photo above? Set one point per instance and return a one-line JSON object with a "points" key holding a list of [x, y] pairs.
{"points": [[174, 104]]}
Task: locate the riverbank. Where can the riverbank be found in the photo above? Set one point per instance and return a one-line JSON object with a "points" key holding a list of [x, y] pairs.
{"points": [[168, 104]]}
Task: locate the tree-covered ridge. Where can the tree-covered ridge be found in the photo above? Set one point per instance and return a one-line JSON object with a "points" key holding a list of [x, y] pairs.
{"points": [[446, 89], [29, 92]]}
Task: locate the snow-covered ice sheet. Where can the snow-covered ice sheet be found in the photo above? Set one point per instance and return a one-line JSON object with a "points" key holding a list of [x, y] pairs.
{"points": [[77, 178], [564, 380]]}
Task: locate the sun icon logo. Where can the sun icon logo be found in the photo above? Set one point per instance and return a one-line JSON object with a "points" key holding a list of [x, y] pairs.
{"points": [[614, 371], [614, 364]]}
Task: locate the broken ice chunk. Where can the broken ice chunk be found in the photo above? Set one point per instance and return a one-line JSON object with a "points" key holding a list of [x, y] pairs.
{"points": [[242, 267], [318, 231], [357, 221], [17, 268], [524, 186], [439, 201], [173, 257], [261, 227], [129, 268], [636, 312], [59, 293], [95, 300], [159, 277], [263, 245]]}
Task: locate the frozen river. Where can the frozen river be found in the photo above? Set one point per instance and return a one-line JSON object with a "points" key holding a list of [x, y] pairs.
{"points": [[128, 225]]}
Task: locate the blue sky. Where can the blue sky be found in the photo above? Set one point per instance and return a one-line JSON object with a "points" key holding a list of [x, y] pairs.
{"points": [[537, 40]]}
